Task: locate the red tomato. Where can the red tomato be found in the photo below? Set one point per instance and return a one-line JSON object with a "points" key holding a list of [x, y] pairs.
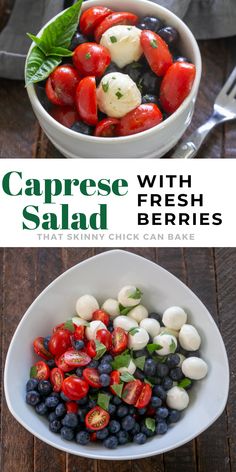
{"points": [[60, 362], [40, 371], [86, 100], [40, 349], [97, 418], [91, 375], [144, 397], [141, 118], [156, 52], [56, 378], [67, 116], [91, 59], [75, 388], [102, 316], [107, 127], [115, 379], [61, 85], [91, 18], [116, 18], [104, 337], [119, 340], [93, 437], [91, 349], [176, 85], [76, 358], [61, 325], [71, 407], [151, 411], [79, 333], [59, 342], [132, 391]]}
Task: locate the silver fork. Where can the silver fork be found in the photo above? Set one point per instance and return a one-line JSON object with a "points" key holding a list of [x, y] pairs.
{"points": [[224, 110]]}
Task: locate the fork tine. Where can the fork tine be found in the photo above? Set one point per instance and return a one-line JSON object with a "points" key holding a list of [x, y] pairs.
{"points": [[228, 84]]}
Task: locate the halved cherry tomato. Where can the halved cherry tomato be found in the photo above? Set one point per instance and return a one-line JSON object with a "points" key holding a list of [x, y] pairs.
{"points": [[79, 333], [107, 128], [176, 85], [116, 18], [102, 316], [75, 388], [144, 397], [61, 363], [119, 340], [91, 18], [40, 349], [56, 378], [156, 52], [141, 118], [76, 358], [97, 418], [91, 349], [61, 85], [86, 100], [66, 116], [104, 337], [60, 342], [40, 371], [91, 375], [115, 379], [132, 391], [71, 407], [91, 59]]}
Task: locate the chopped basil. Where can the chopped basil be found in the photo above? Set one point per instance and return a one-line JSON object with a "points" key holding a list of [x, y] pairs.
{"points": [[113, 78], [140, 361], [105, 87], [152, 347], [136, 295], [136, 65], [103, 400], [125, 310], [119, 95], [154, 43], [184, 383], [113, 39], [127, 377], [88, 55], [133, 331], [172, 346], [33, 372], [122, 360], [69, 325], [118, 389], [150, 424], [150, 381], [100, 349]]}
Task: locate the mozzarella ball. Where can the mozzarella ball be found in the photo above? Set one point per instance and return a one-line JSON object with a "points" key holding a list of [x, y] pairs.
{"points": [[125, 296], [165, 330], [182, 357], [117, 95], [94, 326], [79, 321], [177, 398], [123, 43], [167, 341], [85, 306], [138, 313], [111, 306], [151, 326], [189, 338], [194, 368], [124, 322], [138, 340], [130, 369], [174, 317]]}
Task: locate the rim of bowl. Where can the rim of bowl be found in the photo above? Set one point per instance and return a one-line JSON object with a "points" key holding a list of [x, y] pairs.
{"points": [[122, 139]]}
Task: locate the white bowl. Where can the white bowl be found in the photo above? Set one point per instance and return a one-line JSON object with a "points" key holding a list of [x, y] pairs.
{"points": [[161, 289], [154, 142]]}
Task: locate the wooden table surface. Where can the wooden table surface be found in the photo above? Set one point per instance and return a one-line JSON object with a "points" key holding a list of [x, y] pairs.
{"points": [[211, 274]]}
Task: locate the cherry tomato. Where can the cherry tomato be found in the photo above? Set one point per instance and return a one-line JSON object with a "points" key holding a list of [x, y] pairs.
{"points": [[75, 388], [93, 437], [97, 418], [61, 325], [91, 349], [40, 349], [144, 397], [40, 371], [91, 18], [71, 407], [102, 316], [115, 379], [91, 375], [116, 18], [61, 363], [107, 128], [104, 337], [67, 116], [86, 100], [76, 358], [59, 342], [156, 52], [141, 118], [91, 59], [132, 391], [56, 378], [61, 85], [79, 333], [176, 85], [151, 411], [119, 340]]}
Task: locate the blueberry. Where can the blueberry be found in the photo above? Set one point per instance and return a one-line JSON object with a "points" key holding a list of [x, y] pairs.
{"points": [[112, 68], [32, 397], [107, 358], [174, 416], [176, 374], [169, 34], [111, 442], [142, 411], [167, 383], [44, 387], [51, 363], [140, 353], [91, 404], [52, 401], [156, 316], [41, 408], [82, 401], [139, 374], [116, 400], [156, 402], [104, 380], [162, 370], [150, 23], [60, 410], [123, 437], [180, 59], [104, 368], [81, 414], [149, 98], [52, 416], [93, 364], [77, 39], [78, 345], [161, 427], [70, 420], [128, 423], [114, 426], [81, 127], [55, 426], [148, 432], [82, 438], [192, 354], [67, 433], [150, 368], [172, 360], [140, 438], [122, 411], [162, 413], [134, 70], [102, 434], [110, 328], [32, 384], [131, 410], [46, 341], [111, 409], [159, 391], [135, 430], [79, 372]]}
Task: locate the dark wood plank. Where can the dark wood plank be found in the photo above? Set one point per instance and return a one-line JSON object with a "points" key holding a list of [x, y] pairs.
{"points": [[5, 10], [230, 128]]}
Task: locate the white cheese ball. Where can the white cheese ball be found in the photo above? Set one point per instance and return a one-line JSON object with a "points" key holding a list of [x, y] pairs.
{"points": [[123, 43], [194, 368], [152, 326], [130, 369], [189, 338], [124, 322], [167, 341], [138, 313], [79, 321], [177, 398], [165, 330], [138, 340], [117, 95], [94, 326], [125, 296], [111, 306], [174, 317], [85, 306], [182, 357]]}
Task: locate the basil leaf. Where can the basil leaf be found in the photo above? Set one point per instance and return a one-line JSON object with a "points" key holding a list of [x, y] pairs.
{"points": [[63, 52], [140, 361], [133, 331], [127, 377], [184, 383], [125, 310], [118, 389], [100, 349], [154, 43], [136, 295], [33, 372], [103, 400], [122, 360], [69, 325], [38, 42], [152, 347], [40, 66], [150, 424]]}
